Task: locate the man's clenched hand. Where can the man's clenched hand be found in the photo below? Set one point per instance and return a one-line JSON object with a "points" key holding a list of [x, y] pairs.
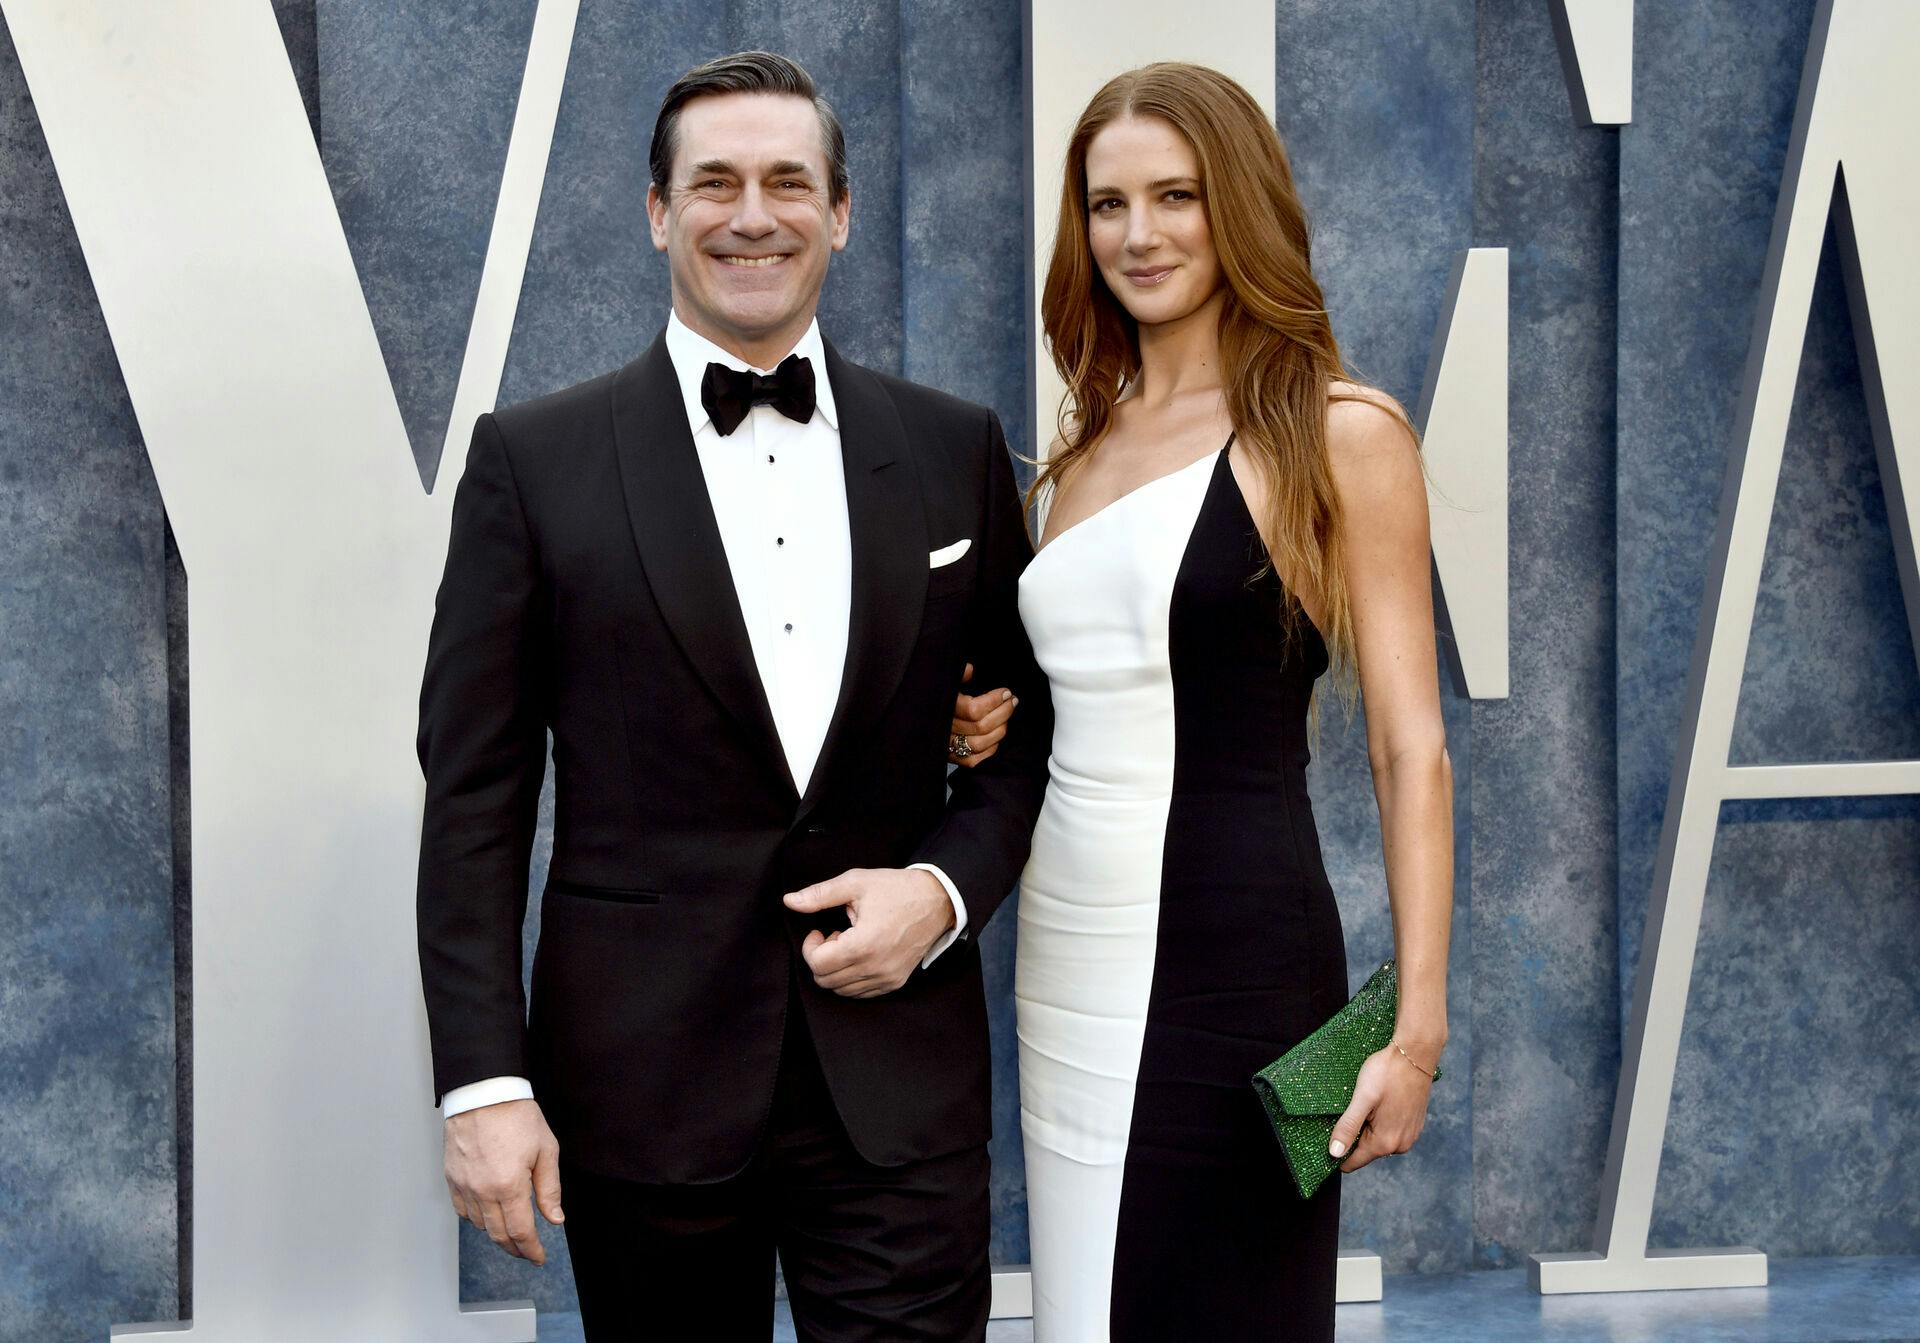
{"points": [[897, 915], [495, 1157]]}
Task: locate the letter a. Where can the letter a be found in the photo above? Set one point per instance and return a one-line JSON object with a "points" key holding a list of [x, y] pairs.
{"points": [[1855, 150]]}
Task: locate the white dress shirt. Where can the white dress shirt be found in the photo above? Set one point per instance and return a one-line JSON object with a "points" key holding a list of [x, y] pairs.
{"points": [[779, 495]]}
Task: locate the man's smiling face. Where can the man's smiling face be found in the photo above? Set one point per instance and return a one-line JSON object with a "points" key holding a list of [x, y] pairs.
{"points": [[748, 224]]}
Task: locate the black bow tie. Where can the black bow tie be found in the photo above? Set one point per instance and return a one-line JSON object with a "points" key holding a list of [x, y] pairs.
{"points": [[729, 393]]}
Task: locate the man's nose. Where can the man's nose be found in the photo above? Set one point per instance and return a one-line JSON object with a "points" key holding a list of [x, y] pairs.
{"points": [[750, 216]]}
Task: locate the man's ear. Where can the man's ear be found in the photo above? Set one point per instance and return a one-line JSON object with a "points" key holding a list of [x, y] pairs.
{"points": [[657, 217], [841, 211]]}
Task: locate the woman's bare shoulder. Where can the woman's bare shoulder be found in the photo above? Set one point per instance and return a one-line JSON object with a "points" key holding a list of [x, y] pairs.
{"points": [[1364, 421], [1375, 457], [1358, 400]]}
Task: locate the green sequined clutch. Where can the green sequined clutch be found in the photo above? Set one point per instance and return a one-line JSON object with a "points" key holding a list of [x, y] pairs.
{"points": [[1309, 1087]]}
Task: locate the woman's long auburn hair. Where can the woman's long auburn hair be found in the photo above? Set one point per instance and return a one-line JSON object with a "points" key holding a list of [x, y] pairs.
{"points": [[1277, 351]]}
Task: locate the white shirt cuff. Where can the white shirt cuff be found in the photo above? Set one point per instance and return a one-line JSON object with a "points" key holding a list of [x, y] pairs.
{"points": [[952, 934], [488, 1091]]}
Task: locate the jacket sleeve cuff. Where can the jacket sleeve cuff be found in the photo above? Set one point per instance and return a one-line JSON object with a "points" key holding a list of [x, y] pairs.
{"points": [[489, 1091], [954, 933]]}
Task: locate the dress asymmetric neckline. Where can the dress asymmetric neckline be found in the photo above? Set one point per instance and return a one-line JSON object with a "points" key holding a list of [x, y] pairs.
{"points": [[1141, 488], [1163, 479]]}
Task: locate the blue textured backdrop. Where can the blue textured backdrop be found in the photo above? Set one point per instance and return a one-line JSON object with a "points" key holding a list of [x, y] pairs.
{"points": [[1635, 259]]}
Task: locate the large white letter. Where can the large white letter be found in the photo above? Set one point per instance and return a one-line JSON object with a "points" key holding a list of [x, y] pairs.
{"points": [[250, 358], [1463, 424], [1595, 38], [1855, 150]]}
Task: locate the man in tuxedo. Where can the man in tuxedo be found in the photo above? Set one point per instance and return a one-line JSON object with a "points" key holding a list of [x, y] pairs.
{"points": [[739, 580]]}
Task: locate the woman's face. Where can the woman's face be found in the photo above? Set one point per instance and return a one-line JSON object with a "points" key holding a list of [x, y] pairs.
{"points": [[1147, 220]]}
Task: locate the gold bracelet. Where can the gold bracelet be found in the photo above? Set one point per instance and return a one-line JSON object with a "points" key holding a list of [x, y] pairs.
{"points": [[1430, 1076]]}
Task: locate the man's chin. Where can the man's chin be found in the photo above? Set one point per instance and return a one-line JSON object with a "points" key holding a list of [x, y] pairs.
{"points": [[758, 321]]}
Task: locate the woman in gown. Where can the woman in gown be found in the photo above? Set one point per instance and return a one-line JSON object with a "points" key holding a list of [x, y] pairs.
{"points": [[1227, 516]]}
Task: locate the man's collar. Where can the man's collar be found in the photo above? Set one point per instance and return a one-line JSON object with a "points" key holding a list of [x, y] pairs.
{"points": [[691, 352]]}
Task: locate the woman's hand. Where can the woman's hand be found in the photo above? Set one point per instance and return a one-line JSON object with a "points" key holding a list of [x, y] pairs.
{"points": [[980, 721], [1389, 1107]]}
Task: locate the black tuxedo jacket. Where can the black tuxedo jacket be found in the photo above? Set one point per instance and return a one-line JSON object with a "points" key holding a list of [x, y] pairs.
{"points": [[587, 592]]}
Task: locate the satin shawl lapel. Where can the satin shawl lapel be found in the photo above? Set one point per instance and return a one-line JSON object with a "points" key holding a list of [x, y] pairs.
{"points": [[886, 520], [678, 538]]}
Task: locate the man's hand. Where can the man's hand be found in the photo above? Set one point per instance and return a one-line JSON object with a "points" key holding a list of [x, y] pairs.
{"points": [[897, 915], [495, 1156], [981, 719]]}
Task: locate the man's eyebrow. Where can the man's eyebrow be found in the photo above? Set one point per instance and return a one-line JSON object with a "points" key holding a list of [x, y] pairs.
{"points": [[724, 168]]}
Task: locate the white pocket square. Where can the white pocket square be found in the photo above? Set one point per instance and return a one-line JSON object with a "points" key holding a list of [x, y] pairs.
{"points": [[947, 554]]}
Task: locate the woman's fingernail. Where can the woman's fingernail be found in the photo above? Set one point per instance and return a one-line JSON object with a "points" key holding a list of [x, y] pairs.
{"points": [[1338, 1148], [1005, 695]]}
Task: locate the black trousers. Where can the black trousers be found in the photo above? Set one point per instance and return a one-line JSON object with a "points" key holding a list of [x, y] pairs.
{"points": [[870, 1253]]}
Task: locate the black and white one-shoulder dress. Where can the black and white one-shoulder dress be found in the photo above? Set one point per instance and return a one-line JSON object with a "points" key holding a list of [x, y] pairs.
{"points": [[1176, 930]]}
